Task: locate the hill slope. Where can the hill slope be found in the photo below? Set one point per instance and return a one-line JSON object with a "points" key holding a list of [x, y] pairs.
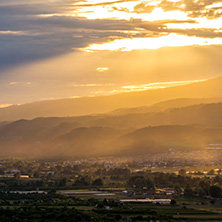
{"points": [[203, 114], [102, 104], [168, 104], [183, 129]]}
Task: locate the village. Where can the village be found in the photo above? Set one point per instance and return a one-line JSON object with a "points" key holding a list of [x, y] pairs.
{"points": [[109, 189]]}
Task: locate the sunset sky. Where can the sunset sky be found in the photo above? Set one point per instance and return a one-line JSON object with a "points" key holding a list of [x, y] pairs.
{"points": [[53, 49]]}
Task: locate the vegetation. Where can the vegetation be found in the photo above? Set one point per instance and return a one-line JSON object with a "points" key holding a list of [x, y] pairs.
{"points": [[141, 164], [92, 191]]}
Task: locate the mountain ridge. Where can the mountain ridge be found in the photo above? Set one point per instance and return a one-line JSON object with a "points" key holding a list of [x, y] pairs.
{"points": [[102, 104], [184, 129]]}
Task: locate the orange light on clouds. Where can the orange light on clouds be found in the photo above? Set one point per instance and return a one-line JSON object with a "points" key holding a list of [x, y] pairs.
{"points": [[5, 105], [149, 86], [125, 10], [171, 40], [160, 85], [10, 32]]}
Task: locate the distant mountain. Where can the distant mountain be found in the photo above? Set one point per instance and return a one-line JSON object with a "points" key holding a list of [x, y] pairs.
{"points": [[40, 129], [203, 114], [76, 143], [162, 139], [102, 104], [182, 129], [99, 141], [82, 142], [169, 104]]}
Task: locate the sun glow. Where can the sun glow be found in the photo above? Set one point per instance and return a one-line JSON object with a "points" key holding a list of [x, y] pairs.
{"points": [[214, 5], [201, 23], [102, 69], [173, 21], [126, 10], [171, 40], [149, 86], [159, 85]]}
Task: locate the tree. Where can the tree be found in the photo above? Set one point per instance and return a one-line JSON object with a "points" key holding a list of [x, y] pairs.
{"points": [[173, 202], [2, 172], [137, 181], [97, 182], [182, 172], [149, 184], [188, 191], [140, 182], [215, 191], [83, 181], [201, 192], [177, 189], [63, 182], [212, 201], [118, 217]]}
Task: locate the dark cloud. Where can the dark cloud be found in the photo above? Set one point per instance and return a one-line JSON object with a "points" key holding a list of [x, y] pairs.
{"points": [[50, 36], [40, 36], [104, 3]]}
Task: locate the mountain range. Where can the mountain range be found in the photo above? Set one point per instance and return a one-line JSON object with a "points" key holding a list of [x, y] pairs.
{"points": [[190, 121], [101, 104]]}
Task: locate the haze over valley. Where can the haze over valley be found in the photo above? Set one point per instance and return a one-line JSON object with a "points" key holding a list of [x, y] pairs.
{"points": [[182, 124]]}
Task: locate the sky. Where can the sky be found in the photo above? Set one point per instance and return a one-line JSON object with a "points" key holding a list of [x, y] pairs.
{"points": [[52, 49]]}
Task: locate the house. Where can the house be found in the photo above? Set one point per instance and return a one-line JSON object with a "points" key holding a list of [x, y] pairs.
{"points": [[153, 201]]}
